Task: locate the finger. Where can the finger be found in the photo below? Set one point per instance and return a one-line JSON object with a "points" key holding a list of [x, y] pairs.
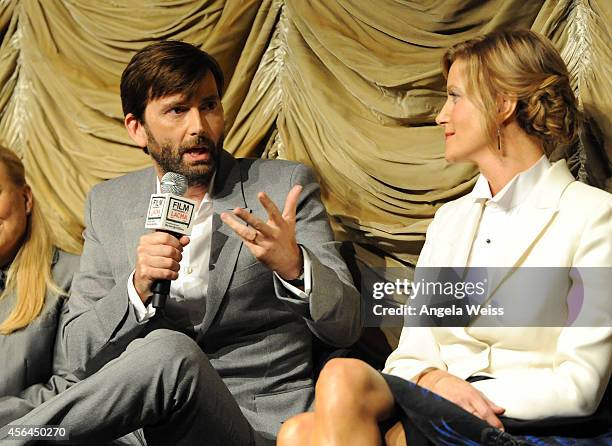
{"points": [[470, 408], [291, 202], [494, 421], [156, 269], [496, 409], [184, 240], [244, 232], [484, 412], [161, 274], [162, 251], [254, 222], [162, 263], [274, 213], [160, 238]]}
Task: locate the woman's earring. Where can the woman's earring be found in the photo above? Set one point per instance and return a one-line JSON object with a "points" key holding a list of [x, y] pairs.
{"points": [[498, 139]]}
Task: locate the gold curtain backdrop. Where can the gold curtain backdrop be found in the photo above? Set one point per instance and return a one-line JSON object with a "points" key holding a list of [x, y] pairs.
{"points": [[349, 87]]}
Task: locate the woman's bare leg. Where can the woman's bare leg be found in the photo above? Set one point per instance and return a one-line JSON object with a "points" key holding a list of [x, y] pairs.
{"points": [[396, 436], [351, 398], [296, 431]]}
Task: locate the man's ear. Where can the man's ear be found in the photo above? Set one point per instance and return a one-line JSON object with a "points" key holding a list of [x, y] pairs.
{"points": [[136, 130], [506, 106]]}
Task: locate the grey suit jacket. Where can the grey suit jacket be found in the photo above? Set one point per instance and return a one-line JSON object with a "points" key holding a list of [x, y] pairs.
{"points": [[256, 334], [34, 368]]}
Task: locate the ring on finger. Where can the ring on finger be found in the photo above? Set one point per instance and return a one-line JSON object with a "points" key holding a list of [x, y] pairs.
{"points": [[254, 238]]}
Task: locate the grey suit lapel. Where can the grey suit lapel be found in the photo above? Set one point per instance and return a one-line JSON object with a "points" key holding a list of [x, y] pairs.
{"points": [[225, 244], [136, 214]]}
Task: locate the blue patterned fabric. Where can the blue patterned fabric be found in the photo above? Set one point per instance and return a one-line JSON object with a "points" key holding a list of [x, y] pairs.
{"points": [[601, 440], [429, 419]]}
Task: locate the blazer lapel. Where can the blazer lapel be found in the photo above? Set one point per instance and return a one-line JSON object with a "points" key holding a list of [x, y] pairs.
{"points": [[225, 244], [460, 242], [540, 210], [135, 216]]}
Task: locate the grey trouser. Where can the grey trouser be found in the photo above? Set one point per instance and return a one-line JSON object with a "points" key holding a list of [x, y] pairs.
{"points": [[162, 383]]}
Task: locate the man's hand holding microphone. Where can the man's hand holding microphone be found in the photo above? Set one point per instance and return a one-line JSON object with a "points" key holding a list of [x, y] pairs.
{"points": [[159, 253]]}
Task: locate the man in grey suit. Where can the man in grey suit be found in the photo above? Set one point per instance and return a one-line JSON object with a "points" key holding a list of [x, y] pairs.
{"points": [[249, 296]]}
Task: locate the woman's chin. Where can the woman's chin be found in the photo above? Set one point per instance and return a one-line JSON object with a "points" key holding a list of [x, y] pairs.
{"points": [[452, 157], [460, 156]]}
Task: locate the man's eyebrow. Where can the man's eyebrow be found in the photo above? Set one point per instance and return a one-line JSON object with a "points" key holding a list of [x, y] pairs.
{"points": [[183, 100], [210, 97], [174, 101]]}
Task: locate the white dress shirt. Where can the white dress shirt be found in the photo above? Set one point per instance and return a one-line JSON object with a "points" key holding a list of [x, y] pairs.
{"points": [[542, 217], [192, 282], [500, 212]]}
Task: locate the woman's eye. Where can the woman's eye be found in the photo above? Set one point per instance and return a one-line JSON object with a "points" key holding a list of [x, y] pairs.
{"points": [[176, 110], [454, 97]]}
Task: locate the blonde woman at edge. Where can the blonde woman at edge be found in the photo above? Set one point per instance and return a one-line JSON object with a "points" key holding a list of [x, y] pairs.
{"points": [[34, 280], [509, 104]]}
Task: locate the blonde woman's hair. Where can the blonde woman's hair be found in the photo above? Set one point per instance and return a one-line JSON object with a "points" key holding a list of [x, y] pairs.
{"points": [[523, 65], [29, 275]]}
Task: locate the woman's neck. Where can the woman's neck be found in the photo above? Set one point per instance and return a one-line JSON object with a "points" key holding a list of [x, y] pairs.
{"points": [[519, 151]]}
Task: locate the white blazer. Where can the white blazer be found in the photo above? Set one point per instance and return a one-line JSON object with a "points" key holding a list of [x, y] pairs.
{"points": [[539, 371]]}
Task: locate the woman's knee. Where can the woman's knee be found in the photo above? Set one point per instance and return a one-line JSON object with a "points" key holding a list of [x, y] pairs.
{"points": [[345, 374], [343, 382], [296, 430], [352, 387]]}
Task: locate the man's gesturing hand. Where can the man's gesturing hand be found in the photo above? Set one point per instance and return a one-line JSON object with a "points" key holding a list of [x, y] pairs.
{"points": [[158, 257], [273, 242]]}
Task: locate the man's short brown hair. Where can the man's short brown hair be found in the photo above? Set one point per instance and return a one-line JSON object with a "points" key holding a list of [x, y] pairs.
{"points": [[162, 69]]}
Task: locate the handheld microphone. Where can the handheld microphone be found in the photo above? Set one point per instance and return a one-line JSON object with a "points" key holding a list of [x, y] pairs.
{"points": [[169, 212]]}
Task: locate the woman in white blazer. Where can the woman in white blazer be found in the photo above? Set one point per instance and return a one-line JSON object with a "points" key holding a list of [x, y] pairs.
{"points": [[509, 104]]}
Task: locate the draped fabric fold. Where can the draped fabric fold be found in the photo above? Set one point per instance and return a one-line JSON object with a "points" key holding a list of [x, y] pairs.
{"points": [[348, 87]]}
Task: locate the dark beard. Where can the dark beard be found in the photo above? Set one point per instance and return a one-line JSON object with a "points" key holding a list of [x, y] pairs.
{"points": [[170, 159]]}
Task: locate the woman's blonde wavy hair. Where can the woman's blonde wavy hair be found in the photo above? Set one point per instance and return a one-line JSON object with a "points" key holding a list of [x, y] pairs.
{"points": [[519, 64], [29, 275]]}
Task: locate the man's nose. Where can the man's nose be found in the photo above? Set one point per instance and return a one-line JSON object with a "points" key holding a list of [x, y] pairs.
{"points": [[197, 122]]}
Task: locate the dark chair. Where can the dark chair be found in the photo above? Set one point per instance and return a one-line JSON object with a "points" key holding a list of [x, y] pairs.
{"points": [[372, 347]]}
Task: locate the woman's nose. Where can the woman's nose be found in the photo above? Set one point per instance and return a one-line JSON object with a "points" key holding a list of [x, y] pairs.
{"points": [[442, 117]]}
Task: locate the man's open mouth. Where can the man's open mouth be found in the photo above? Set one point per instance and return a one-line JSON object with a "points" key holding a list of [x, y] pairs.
{"points": [[197, 154]]}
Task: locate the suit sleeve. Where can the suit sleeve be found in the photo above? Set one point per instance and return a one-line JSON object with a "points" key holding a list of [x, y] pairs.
{"points": [[333, 310], [13, 407], [99, 322], [582, 363]]}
